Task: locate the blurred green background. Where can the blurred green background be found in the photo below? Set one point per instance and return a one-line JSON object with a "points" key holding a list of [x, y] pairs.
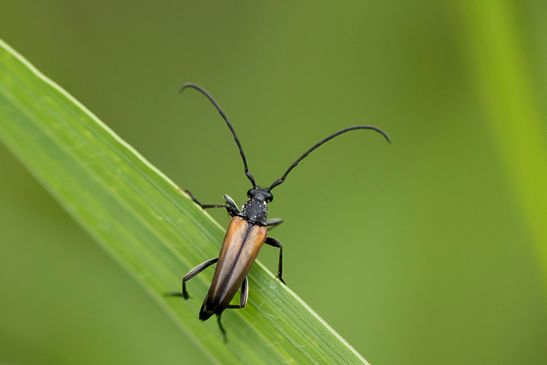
{"points": [[432, 250]]}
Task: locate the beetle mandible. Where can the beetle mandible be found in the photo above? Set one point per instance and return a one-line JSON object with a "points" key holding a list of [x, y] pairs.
{"points": [[246, 233]]}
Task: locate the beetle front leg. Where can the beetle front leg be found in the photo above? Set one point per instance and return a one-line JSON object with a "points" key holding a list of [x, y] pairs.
{"points": [[203, 206], [230, 205], [275, 243]]}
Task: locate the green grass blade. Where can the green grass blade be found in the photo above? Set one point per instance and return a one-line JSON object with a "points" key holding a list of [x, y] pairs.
{"points": [[144, 221]]}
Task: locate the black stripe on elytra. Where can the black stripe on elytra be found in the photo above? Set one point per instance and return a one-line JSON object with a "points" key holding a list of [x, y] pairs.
{"points": [[227, 277]]}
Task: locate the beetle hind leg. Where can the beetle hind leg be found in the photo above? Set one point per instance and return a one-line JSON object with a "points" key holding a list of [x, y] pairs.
{"points": [[242, 302], [221, 327], [243, 297], [190, 275]]}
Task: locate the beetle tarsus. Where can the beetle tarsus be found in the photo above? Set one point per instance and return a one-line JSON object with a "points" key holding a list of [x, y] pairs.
{"points": [[173, 294], [185, 294], [194, 199]]}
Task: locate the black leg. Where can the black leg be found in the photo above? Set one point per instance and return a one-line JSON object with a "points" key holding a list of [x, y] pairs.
{"points": [[242, 302], [222, 330], [244, 293], [203, 206], [274, 222], [244, 296], [191, 274], [230, 205], [275, 243]]}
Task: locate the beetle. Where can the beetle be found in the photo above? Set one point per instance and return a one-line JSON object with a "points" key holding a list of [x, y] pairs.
{"points": [[247, 231]]}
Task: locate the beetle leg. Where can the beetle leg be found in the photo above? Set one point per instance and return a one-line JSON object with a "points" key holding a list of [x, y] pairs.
{"points": [[275, 243], [242, 302], [244, 293], [222, 328], [244, 296], [191, 274], [203, 206], [274, 222], [230, 205]]}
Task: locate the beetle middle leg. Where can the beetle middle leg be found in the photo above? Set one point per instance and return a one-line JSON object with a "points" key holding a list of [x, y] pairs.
{"points": [[275, 243], [274, 222]]}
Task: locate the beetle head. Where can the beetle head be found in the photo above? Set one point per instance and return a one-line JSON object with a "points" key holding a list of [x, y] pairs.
{"points": [[261, 194]]}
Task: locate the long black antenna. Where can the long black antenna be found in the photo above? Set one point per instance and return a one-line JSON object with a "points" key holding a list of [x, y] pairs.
{"points": [[230, 126], [323, 141]]}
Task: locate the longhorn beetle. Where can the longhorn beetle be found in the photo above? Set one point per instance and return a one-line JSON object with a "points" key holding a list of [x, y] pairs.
{"points": [[247, 231]]}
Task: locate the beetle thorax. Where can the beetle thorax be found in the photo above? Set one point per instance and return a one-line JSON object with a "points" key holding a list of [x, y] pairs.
{"points": [[255, 210]]}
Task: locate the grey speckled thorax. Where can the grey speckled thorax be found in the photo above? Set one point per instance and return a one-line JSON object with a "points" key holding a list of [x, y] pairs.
{"points": [[255, 210]]}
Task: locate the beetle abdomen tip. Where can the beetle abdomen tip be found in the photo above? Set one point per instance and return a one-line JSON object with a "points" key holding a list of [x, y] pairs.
{"points": [[204, 313]]}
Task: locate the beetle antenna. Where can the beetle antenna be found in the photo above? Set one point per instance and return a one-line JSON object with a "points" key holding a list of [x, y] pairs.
{"points": [[228, 123], [323, 141]]}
